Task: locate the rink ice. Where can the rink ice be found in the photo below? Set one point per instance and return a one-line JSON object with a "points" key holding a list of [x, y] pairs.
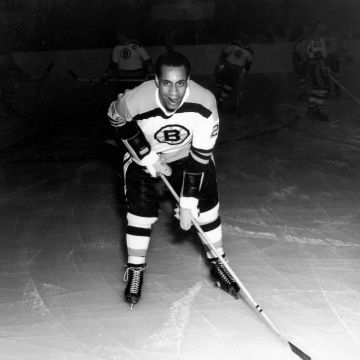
{"points": [[291, 223]]}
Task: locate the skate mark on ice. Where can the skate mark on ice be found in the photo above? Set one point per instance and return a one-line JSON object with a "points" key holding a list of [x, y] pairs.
{"points": [[288, 238], [32, 300], [71, 255], [172, 331], [284, 193], [337, 315], [236, 230], [35, 255], [318, 241]]}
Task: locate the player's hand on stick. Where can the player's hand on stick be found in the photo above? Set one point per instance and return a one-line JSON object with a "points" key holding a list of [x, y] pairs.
{"points": [[156, 165], [187, 211], [219, 68], [161, 167], [326, 71]]}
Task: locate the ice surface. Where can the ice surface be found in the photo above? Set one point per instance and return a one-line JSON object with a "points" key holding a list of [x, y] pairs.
{"points": [[291, 223]]}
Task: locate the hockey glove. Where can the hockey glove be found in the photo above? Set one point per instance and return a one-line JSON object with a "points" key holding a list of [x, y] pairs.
{"points": [[188, 210], [155, 165], [219, 68]]}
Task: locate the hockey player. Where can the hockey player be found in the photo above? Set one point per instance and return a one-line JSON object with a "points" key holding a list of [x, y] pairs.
{"points": [[299, 62], [234, 63], [316, 56], [169, 125], [129, 59]]}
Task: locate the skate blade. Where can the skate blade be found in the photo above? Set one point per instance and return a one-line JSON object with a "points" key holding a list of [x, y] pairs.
{"points": [[132, 300], [132, 303]]}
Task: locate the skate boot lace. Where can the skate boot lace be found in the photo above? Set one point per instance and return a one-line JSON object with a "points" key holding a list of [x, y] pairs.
{"points": [[135, 279], [222, 272]]}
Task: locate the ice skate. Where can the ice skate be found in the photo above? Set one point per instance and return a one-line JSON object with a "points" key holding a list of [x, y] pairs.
{"points": [[311, 113], [321, 115], [317, 114], [134, 275], [224, 279]]}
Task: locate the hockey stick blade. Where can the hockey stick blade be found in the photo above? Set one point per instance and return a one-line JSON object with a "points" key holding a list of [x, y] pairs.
{"points": [[298, 352]]}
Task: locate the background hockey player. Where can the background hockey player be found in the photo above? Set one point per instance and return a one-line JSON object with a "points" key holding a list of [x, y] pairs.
{"points": [[316, 56], [299, 61], [129, 59], [169, 126], [234, 63]]}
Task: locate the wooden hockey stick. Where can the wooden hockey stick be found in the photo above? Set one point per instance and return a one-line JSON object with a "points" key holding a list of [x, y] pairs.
{"points": [[332, 78], [243, 289]]}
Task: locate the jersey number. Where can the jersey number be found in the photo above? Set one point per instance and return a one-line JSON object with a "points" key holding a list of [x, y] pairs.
{"points": [[215, 131]]}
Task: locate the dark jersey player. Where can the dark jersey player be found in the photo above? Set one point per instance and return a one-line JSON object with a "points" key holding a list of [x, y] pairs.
{"points": [[169, 125], [234, 63]]}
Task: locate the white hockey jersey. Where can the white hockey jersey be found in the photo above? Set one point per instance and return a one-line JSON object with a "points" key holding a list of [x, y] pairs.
{"points": [[316, 49], [130, 56], [237, 55], [193, 127]]}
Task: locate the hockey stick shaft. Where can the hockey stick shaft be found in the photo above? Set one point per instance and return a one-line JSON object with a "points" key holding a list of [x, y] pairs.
{"points": [[243, 289], [344, 88]]}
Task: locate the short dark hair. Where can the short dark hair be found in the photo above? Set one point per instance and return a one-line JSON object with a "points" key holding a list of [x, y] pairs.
{"points": [[172, 59]]}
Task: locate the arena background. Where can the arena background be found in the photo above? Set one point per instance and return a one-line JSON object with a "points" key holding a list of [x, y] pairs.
{"points": [[80, 24], [60, 46]]}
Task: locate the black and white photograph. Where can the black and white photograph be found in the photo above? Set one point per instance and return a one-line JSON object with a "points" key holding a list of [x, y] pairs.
{"points": [[179, 179]]}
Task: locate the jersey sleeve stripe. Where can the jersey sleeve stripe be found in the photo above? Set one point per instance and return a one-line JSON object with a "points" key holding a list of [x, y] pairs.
{"points": [[208, 151], [200, 154], [199, 159]]}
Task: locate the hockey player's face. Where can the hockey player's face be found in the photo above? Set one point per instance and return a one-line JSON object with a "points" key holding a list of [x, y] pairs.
{"points": [[172, 85]]}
